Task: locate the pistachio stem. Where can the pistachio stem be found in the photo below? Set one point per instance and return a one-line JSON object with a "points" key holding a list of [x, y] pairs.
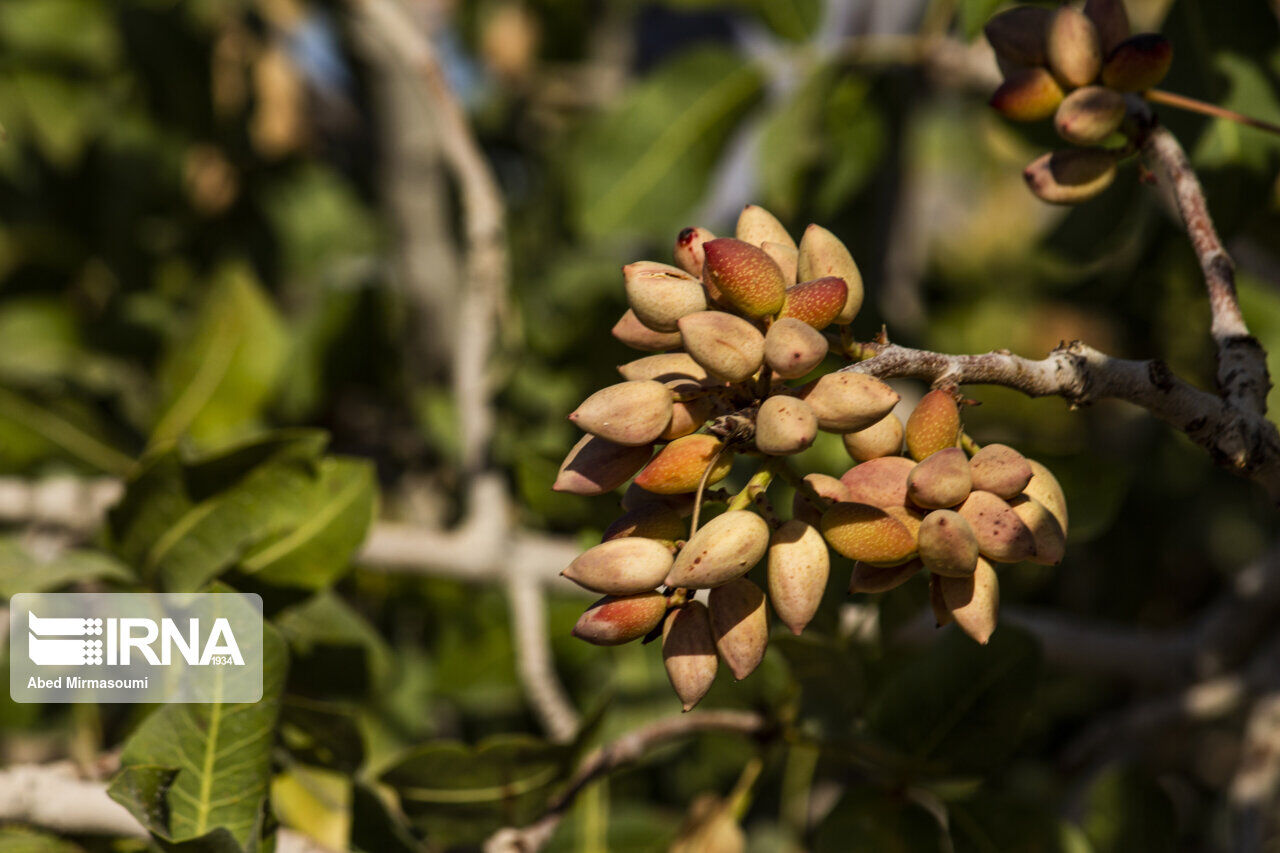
{"points": [[970, 446], [757, 485], [702, 486], [1194, 105], [800, 484]]}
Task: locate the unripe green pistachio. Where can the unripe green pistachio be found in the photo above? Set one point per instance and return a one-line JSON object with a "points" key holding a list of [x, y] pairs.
{"points": [[792, 348], [1028, 94], [799, 564], [974, 601], [786, 257], [618, 619], [871, 579], [660, 294], [1051, 542], [868, 533], [1000, 532], [1072, 47], [758, 226], [933, 425], [818, 302], [941, 480], [1001, 470], [947, 544], [1044, 487], [1089, 115], [621, 566], [726, 547], [651, 521], [689, 652], [664, 367], [726, 345], [630, 331], [678, 467], [1138, 63], [740, 625], [822, 254], [785, 425], [846, 402], [631, 413], [802, 506], [1110, 20], [688, 252], [1071, 176], [882, 438], [1017, 35], [880, 482], [595, 466], [745, 276]]}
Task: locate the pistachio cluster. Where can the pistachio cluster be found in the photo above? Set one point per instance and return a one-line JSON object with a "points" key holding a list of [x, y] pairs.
{"points": [[736, 328], [1076, 67]]}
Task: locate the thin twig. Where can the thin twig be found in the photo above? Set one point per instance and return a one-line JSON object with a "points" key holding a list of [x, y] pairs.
{"points": [[1195, 105]]}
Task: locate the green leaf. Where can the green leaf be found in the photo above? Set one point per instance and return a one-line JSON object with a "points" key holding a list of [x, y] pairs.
{"points": [[959, 706], [1126, 810], [326, 734], [992, 824], [217, 377], [645, 164], [790, 143], [795, 20], [60, 428], [20, 839], [192, 770], [855, 142], [21, 571], [1228, 144], [76, 30], [869, 819], [334, 650], [459, 793], [375, 825]]}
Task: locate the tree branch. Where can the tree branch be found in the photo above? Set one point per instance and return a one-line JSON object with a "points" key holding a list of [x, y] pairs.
{"points": [[1242, 362], [1240, 439], [629, 748]]}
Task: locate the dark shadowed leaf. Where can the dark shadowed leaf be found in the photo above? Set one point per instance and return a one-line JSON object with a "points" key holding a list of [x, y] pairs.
{"points": [[866, 818], [22, 571]]}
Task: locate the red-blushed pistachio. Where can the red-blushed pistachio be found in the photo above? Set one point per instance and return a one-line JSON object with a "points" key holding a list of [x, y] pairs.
{"points": [[1110, 20], [636, 497], [792, 348], [726, 345], [1138, 63], [1017, 35], [1000, 533], [1051, 542], [786, 257], [1044, 487], [678, 467], [947, 544], [868, 533], [664, 367], [595, 466], [740, 625], [637, 335], [847, 402], [816, 302], [632, 413], [941, 615], [621, 566], [1072, 47], [1089, 115], [757, 226], [941, 480], [823, 254], [799, 564], [726, 547], [784, 425], [933, 425], [689, 652], [974, 601], [1028, 94], [688, 252], [745, 276], [880, 482], [1070, 176], [1001, 470], [660, 294], [802, 506], [687, 415], [869, 578], [882, 438], [652, 521], [618, 619]]}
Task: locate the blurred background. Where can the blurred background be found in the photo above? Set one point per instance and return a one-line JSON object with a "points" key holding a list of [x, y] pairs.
{"points": [[221, 217]]}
